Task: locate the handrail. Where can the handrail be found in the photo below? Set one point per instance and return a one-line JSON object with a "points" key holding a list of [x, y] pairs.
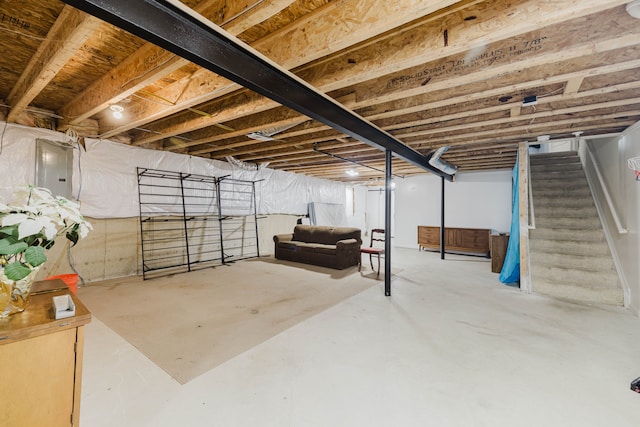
{"points": [[605, 191], [532, 216]]}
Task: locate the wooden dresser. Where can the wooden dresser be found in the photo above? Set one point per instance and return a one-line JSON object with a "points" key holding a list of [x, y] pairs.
{"points": [[41, 362], [459, 240]]}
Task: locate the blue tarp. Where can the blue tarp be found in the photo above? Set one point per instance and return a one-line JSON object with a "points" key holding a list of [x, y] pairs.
{"points": [[510, 273]]}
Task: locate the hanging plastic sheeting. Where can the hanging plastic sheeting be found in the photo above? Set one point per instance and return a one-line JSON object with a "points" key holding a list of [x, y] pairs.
{"points": [[106, 182], [333, 214], [108, 186], [105, 176], [510, 273], [280, 192]]}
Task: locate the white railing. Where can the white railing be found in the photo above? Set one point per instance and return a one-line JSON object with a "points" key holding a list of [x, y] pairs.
{"points": [[605, 191], [532, 216]]}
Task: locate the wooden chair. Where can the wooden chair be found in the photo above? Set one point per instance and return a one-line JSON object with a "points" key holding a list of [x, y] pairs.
{"points": [[377, 235]]}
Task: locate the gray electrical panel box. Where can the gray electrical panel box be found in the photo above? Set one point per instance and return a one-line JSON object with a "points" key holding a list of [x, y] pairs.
{"points": [[54, 167]]}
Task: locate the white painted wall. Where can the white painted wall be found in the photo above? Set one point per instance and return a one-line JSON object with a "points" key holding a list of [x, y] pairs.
{"points": [[375, 212], [356, 215], [474, 200], [611, 156]]}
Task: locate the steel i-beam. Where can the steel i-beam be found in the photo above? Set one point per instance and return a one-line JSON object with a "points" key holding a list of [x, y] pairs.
{"points": [[170, 25]]}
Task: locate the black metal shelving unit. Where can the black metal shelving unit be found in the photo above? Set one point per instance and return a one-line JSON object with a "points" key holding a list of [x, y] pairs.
{"points": [[190, 221]]}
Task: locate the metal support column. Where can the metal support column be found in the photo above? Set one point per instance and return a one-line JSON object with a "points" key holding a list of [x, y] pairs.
{"points": [[387, 224], [220, 217], [442, 222], [255, 218], [184, 220]]}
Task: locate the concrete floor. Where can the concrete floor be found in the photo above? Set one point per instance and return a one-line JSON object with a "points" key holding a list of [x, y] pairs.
{"points": [[451, 347]]}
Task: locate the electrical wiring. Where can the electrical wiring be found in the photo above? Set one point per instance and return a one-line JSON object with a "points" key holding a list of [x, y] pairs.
{"points": [[4, 129], [79, 170]]}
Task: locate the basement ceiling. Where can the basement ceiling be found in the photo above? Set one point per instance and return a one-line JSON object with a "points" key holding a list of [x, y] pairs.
{"points": [[432, 74]]}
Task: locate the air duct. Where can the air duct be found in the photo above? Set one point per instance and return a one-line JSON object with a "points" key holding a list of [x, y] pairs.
{"points": [[436, 162], [267, 134]]}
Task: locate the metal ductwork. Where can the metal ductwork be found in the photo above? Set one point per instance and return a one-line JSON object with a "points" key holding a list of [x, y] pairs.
{"points": [[440, 164]]}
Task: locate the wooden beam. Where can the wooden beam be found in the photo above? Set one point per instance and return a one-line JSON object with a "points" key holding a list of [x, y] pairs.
{"points": [[523, 205], [544, 60], [531, 116], [184, 32], [368, 96], [467, 115], [68, 34], [150, 63], [437, 105], [573, 85], [423, 101], [560, 127], [323, 32], [412, 48]]}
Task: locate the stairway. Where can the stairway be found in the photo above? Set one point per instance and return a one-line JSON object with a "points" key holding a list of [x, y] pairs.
{"points": [[569, 254]]}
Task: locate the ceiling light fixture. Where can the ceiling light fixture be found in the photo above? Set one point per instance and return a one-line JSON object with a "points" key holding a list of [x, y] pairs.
{"points": [[355, 162], [352, 172], [117, 111], [633, 9]]}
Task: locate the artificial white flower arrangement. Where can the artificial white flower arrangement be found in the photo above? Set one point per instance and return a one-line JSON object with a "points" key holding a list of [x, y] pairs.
{"points": [[30, 224]]}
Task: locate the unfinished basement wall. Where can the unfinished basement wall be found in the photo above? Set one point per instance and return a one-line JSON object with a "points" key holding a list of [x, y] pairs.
{"points": [[112, 249], [611, 156], [106, 180], [474, 200]]}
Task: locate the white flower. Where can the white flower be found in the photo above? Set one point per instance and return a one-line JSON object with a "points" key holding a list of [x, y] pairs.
{"points": [[37, 218]]}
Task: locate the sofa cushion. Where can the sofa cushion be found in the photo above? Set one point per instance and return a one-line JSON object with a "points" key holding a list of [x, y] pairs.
{"points": [[288, 244], [318, 248], [326, 235]]}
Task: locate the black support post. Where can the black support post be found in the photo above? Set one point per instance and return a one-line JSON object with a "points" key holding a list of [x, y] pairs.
{"points": [[442, 222], [387, 224], [184, 221]]}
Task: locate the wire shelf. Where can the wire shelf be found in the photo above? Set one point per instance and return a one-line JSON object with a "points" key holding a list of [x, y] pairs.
{"points": [[189, 220]]}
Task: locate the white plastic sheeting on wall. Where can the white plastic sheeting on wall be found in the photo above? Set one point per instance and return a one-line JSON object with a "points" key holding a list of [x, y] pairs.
{"points": [[333, 214], [109, 180], [105, 176], [17, 154]]}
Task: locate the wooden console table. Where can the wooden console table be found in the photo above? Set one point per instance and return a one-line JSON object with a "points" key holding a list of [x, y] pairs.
{"points": [[41, 361], [457, 240]]}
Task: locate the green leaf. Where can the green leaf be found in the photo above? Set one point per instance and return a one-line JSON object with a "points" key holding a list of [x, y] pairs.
{"points": [[10, 231], [73, 237], [9, 246], [16, 271], [35, 255]]}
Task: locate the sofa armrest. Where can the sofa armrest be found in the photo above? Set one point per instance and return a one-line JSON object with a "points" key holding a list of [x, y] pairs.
{"points": [[347, 244], [283, 237]]}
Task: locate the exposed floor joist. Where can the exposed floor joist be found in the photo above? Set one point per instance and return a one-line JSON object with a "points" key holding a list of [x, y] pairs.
{"points": [[431, 74], [190, 36]]}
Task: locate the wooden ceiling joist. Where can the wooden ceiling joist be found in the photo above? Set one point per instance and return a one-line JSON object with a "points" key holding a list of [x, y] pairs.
{"points": [[403, 54], [70, 31], [431, 74]]}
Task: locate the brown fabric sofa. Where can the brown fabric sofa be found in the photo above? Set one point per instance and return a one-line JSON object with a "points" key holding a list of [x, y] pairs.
{"points": [[333, 247]]}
